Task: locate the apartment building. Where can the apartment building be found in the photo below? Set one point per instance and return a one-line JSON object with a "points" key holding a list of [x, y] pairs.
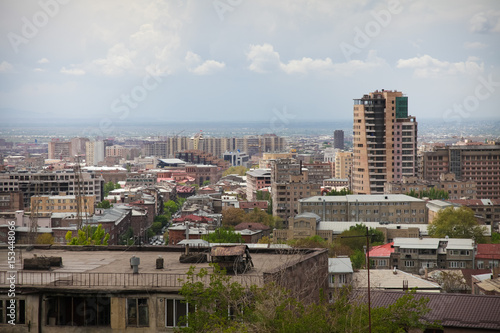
{"points": [[96, 290], [338, 139], [343, 164], [487, 210], [392, 208], [456, 189], [289, 184], [94, 152], [413, 255], [46, 183], [59, 149], [63, 203], [256, 180], [385, 141], [476, 162], [318, 171]]}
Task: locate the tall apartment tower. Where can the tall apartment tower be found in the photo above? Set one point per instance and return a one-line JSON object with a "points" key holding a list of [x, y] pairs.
{"points": [[59, 149], [385, 141], [95, 152], [338, 139]]}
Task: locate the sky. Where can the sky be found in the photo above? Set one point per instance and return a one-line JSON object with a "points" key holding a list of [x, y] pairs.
{"points": [[119, 62]]}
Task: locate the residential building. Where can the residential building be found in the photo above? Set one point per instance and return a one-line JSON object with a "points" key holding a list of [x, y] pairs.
{"points": [[340, 272], [319, 171], [456, 189], [343, 164], [251, 232], [94, 152], [290, 183], [117, 150], [487, 210], [487, 256], [393, 280], [78, 146], [479, 163], [385, 141], [265, 161], [59, 149], [97, 290], [392, 208], [11, 201], [338, 139], [256, 180], [63, 203], [336, 183], [413, 255], [45, 183], [380, 256]]}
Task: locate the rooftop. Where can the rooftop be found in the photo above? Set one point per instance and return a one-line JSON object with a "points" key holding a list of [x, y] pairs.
{"points": [[353, 198], [387, 279], [382, 250], [339, 265], [433, 243]]}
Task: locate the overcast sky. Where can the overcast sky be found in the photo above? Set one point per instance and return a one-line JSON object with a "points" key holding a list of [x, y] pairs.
{"points": [[275, 61]]}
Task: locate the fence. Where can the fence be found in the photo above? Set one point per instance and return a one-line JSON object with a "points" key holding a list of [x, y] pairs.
{"points": [[78, 279]]}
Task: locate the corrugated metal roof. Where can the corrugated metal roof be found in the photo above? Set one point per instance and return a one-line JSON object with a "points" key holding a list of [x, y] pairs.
{"points": [[452, 310], [339, 265]]}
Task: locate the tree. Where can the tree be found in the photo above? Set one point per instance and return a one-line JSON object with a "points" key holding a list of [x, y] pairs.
{"points": [[495, 238], [104, 204], [88, 235], [156, 227], [223, 235], [163, 219], [456, 223], [232, 216], [431, 193], [349, 237], [110, 186], [219, 304], [309, 242], [171, 207], [238, 170], [206, 183], [343, 191], [264, 240], [45, 239], [358, 259], [127, 238]]}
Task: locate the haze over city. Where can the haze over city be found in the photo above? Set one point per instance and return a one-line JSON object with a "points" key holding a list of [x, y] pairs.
{"points": [[117, 63]]}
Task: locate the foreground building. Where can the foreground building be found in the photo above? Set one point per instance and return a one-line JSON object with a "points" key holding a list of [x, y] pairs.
{"points": [[98, 290]]}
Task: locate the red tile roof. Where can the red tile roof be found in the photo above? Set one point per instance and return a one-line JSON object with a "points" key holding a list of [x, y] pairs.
{"points": [[488, 251], [382, 250]]}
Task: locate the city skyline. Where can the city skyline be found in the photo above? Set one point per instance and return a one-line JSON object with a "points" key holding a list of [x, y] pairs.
{"points": [[114, 64]]}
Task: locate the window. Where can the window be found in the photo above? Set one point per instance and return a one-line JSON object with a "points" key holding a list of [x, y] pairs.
{"points": [[381, 262], [20, 311], [480, 264], [78, 311], [137, 312], [409, 263], [175, 311]]}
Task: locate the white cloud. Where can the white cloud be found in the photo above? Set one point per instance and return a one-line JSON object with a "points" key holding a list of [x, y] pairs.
{"points": [[118, 59], [474, 45], [39, 70], [43, 61], [485, 22], [6, 67], [196, 66], [264, 59], [427, 66], [72, 71]]}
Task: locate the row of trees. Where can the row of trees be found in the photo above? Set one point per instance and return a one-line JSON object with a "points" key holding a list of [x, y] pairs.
{"points": [[432, 194], [234, 216]]}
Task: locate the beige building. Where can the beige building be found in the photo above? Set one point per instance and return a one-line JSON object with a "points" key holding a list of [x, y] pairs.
{"points": [[94, 152], [289, 184], [392, 208], [63, 203], [343, 164], [256, 180], [385, 141], [59, 149], [117, 150], [456, 189]]}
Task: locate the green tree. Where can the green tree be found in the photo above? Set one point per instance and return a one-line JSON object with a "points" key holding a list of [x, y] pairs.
{"points": [[432, 194], [343, 191], [127, 238], [309, 242], [110, 186], [223, 235], [163, 219], [238, 170], [206, 183], [88, 235], [456, 223], [358, 259], [156, 227], [104, 204], [353, 238], [495, 238], [171, 207]]}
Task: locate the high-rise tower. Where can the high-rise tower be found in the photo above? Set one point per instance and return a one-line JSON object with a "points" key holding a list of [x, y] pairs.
{"points": [[384, 139]]}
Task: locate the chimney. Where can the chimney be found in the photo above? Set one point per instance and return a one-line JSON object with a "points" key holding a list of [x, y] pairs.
{"points": [[426, 270]]}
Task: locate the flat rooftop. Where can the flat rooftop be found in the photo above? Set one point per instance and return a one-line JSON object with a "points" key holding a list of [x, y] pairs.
{"points": [[110, 269]]}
